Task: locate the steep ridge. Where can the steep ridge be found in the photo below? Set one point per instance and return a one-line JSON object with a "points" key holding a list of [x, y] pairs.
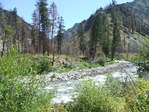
{"points": [[138, 9], [23, 28], [71, 31], [129, 14]]}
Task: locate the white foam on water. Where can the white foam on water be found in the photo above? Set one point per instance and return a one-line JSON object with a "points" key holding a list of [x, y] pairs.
{"points": [[65, 91], [63, 98]]}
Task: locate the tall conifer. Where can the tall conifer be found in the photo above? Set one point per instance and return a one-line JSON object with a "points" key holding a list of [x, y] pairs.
{"points": [[116, 34], [60, 34], [44, 22]]}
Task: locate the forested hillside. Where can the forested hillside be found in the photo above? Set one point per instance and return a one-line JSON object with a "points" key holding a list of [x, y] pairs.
{"points": [[132, 18], [133, 22], [21, 30]]}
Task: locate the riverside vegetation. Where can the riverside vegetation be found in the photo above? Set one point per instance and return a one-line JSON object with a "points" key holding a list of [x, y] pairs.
{"points": [[97, 41], [21, 91]]}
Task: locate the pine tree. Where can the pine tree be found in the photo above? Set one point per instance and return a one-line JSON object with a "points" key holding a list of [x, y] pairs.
{"points": [[106, 43], [23, 34], [16, 37], [93, 40], [60, 34], [44, 23], [8, 32], [96, 35], [81, 38], [116, 35], [2, 18], [113, 2]]}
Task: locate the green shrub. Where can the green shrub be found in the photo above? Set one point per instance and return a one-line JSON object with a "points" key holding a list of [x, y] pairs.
{"points": [[84, 65], [143, 62], [43, 66], [102, 61], [93, 97], [53, 76], [111, 97], [113, 85], [137, 97], [19, 89]]}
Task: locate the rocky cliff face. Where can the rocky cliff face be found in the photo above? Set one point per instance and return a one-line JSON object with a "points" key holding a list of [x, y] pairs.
{"points": [[71, 31]]}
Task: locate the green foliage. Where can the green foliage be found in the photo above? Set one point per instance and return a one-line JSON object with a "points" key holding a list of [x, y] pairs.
{"points": [[2, 17], [60, 34], [44, 23], [113, 85], [144, 57], [82, 65], [137, 97], [93, 97], [131, 59], [66, 68], [81, 38], [19, 89], [111, 97], [106, 42], [43, 66], [43, 12], [102, 61], [116, 34], [8, 31], [100, 34], [95, 34], [53, 76]]}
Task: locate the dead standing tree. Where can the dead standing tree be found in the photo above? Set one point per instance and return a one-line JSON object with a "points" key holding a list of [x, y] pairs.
{"points": [[53, 18], [35, 31]]}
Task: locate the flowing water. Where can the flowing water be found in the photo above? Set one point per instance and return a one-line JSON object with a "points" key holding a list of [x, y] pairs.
{"points": [[65, 91]]}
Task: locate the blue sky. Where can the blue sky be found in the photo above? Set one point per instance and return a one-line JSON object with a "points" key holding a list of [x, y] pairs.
{"points": [[73, 11]]}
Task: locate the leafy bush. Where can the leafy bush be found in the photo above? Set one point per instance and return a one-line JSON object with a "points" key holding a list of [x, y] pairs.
{"points": [[65, 68], [93, 97], [43, 66], [19, 89], [84, 65], [112, 85], [137, 97], [111, 97], [102, 61], [143, 62]]}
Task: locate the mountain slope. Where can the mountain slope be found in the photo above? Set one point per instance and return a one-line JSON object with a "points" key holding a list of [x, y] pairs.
{"points": [[134, 20], [71, 31], [137, 10], [24, 29]]}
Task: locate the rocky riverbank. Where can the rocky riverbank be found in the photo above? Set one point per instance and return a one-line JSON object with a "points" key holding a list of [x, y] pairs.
{"points": [[78, 74]]}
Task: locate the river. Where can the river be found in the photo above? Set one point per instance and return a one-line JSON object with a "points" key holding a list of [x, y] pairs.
{"points": [[66, 90]]}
